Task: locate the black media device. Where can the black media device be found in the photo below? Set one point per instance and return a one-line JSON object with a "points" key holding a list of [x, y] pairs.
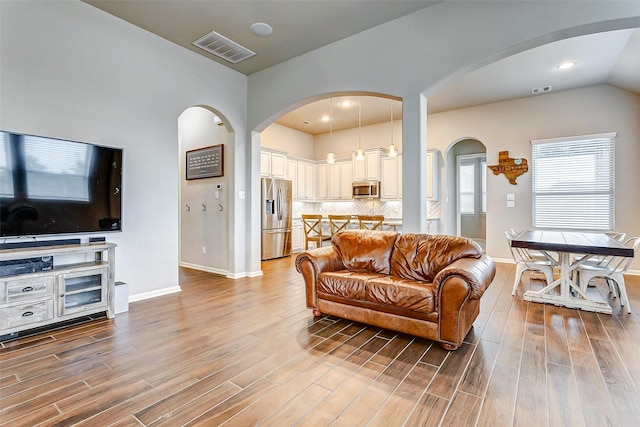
{"points": [[98, 239], [39, 243], [25, 266], [51, 186]]}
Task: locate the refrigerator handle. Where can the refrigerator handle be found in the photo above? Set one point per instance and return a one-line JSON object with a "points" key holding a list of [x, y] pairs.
{"points": [[279, 204]]}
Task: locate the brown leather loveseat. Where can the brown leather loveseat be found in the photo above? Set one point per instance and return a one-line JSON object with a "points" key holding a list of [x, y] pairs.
{"points": [[421, 284]]}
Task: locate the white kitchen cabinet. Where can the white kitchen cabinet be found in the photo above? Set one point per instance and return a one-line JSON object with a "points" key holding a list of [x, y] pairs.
{"points": [[339, 180], [306, 180], [321, 181], [292, 175], [433, 175], [346, 181], [297, 236], [273, 164], [369, 168], [391, 178]]}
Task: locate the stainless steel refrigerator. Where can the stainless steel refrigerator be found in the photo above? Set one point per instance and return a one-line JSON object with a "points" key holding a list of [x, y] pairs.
{"points": [[276, 218]]}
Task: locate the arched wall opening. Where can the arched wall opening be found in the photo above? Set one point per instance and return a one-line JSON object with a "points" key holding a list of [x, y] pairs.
{"points": [[465, 177], [375, 134], [204, 199]]}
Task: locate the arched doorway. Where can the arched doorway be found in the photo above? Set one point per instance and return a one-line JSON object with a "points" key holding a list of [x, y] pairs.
{"points": [[468, 175], [204, 199]]}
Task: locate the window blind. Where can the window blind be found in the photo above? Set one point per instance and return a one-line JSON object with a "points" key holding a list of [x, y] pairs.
{"points": [[573, 182]]}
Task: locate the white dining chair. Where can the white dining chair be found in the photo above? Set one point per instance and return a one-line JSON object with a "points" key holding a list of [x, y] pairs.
{"points": [[612, 269], [526, 260], [601, 260]]}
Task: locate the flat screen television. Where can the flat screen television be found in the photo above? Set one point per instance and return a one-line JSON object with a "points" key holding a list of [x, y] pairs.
{"points": [[53, 186]]}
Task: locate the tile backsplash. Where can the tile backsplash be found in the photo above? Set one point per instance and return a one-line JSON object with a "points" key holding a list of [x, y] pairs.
{"points": [[357, 207]]}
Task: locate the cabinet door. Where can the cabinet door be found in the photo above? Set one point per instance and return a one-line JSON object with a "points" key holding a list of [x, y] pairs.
{"points": [[310, 180], [321, 182], [265, 163], [372, 166], [333, 178], [302, 181], [278, 165], [292, 175], [359, 169], [389, 181], [81, 291], [297, 239], [346, 181]]}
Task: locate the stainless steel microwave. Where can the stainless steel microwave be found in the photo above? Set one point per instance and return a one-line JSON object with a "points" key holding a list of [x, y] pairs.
{"points": [[366, 190]]}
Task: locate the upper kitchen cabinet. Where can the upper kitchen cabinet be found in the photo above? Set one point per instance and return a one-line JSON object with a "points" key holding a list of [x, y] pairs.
{"points": [[302, 176], [306, 178], [433, 175], [369, 168], [321, 181], [273, 164], [391, 178], [339, 180], [292, 175]]}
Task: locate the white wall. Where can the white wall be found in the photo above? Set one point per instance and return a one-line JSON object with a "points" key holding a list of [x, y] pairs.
{"points": [[345, 142], [290, 141], [511, 125], [204, 210], [415, 55], [71, 71]]}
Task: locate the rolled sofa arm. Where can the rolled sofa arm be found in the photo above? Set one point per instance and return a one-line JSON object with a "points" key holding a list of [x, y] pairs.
{"points": [[311, 263], [477, 272]]}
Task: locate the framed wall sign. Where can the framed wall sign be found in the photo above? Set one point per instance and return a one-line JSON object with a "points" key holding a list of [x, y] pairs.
{"points": [[205, 162]]}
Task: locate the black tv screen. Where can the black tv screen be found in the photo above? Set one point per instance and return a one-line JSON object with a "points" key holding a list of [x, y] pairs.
{"points": [[53, 186]]}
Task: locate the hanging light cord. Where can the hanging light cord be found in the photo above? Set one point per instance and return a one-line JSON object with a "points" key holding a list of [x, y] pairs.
{"points": [[330, 124]]}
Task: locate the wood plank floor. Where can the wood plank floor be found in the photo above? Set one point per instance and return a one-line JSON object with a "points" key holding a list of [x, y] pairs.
{"points": [[247, 352]]}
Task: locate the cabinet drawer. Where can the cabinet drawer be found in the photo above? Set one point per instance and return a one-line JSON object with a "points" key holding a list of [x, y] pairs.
{"points": [[25, 313], [24, 289]]}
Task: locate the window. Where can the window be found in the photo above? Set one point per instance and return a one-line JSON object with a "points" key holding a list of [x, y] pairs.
{"points": [[573, 182], [467, 188]]}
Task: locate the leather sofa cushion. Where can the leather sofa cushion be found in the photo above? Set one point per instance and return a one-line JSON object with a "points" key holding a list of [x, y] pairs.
{"points": [[401, 293], [345, 283], [363, 250], [378, 288], [421, 256]]}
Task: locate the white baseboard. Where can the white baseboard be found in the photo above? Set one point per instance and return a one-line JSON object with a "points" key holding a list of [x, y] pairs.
{"points": [[245, 274], [224, 273], [503, 260], [205, 268], [153, 294]]}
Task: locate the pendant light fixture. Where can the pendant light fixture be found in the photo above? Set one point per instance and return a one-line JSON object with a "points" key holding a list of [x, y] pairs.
{"points": [[360, 152], [331, 157], [392, 151]]}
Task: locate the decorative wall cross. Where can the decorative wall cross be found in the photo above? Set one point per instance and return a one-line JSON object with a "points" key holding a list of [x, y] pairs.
{"points": [[511, 168]]}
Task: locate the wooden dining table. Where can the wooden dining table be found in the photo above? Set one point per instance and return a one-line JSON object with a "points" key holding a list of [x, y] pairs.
{"points": [[560, 246]]}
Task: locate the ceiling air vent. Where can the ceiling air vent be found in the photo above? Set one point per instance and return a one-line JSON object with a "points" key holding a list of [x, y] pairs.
{"points": [[221, 46], [541, 89]]}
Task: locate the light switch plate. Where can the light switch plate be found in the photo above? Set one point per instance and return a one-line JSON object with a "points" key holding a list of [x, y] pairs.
{"points": [[511, 204], [511, 196]]}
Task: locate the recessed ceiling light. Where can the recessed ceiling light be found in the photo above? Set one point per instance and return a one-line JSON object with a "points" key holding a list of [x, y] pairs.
{"points": [[325, 118], [261, 29], [566, 65], [346, 104], [305, 122]]}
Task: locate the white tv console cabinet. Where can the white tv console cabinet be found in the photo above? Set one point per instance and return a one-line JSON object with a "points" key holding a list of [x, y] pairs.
{"points": [[82, 282]]}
